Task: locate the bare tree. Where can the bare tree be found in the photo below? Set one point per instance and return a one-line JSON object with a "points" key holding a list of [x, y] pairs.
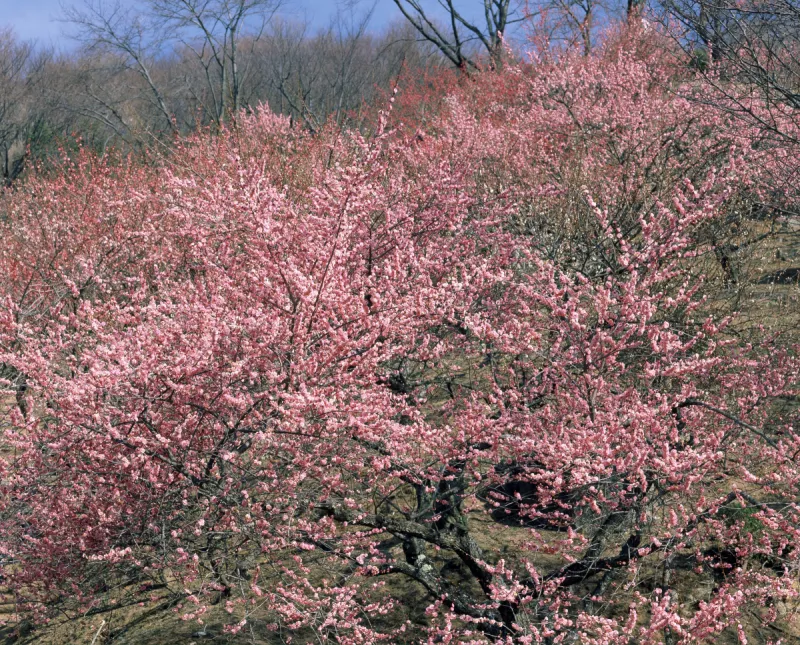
{"points": [[148, 72], [757, 40], [749, 54], [335, 72], [579, 23], [21, 74], [211, 32], [574, 20], [457, 39], [131, 41]]}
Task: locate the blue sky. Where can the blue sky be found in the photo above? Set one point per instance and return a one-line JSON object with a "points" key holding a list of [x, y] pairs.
{"points": [[37, 19]]}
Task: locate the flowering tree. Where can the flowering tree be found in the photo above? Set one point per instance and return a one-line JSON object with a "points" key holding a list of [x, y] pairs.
{"points": [[304, 377]]}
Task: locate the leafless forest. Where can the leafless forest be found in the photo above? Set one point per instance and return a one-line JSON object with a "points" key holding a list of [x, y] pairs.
{"points": [[133, 78]]}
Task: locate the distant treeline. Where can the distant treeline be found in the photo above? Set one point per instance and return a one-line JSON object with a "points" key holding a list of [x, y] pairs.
{"points": [[141, 76]]}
